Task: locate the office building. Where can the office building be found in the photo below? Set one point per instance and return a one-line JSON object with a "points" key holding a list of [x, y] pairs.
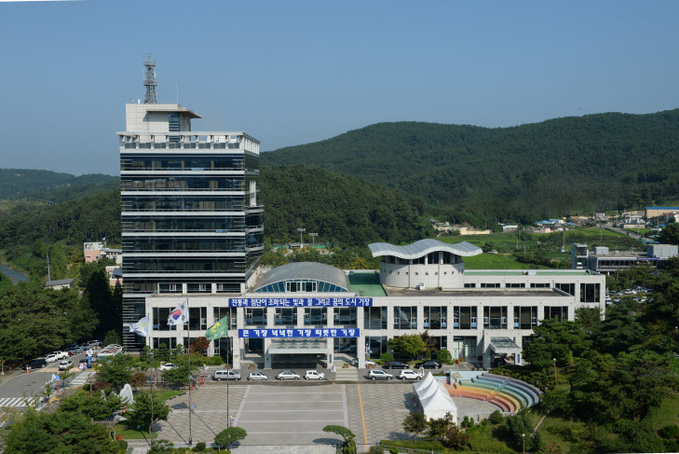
{"points": [[191, 221]]}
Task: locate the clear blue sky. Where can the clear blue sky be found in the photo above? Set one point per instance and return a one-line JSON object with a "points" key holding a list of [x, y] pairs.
{"points": [[293, 72]]}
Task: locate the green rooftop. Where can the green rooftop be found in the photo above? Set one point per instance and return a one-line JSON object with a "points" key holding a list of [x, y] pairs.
{"points": [[521, 273], [366, 283]]}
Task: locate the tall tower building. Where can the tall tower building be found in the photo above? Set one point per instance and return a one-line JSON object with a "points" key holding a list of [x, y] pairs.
{"points": [[191, 221]]}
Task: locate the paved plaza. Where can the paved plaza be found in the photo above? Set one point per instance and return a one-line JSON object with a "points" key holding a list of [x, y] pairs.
{"points": [[294, 414]]}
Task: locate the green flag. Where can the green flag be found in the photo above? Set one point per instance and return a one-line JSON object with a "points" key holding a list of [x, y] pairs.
{"points": [[219, 329]]}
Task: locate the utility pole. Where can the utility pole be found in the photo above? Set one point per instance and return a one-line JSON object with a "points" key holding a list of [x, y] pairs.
{"points": [[49, 273], [301, 230]]}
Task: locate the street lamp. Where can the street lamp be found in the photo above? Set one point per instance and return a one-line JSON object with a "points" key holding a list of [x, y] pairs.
{"points": [[301, 230], [523, 443], [556, 380], [313, 239]]}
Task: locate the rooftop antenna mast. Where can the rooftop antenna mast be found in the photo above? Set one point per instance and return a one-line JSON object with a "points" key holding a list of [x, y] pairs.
{"points": [[150, 82]]}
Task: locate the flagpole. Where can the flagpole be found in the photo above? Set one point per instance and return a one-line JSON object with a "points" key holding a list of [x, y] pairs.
{"points": [[188, 312], [153, 378], [228, 416]]}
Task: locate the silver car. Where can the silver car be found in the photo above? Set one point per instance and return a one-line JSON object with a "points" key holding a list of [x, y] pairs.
{"points": [[314, 375], [379, 374], [257, 376], [287, 375]]}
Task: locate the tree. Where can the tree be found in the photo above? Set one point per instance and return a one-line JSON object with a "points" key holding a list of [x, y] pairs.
{"points": [[521, 430], [444, 356], [439, 427], [408, 345], [669, 234], [140, 413], [95, 405], [562, 340], [455, 439], [230, 435], [415, 423], [60, 432], [199, 345], [348, 443], [112, 337], [116, 370]]}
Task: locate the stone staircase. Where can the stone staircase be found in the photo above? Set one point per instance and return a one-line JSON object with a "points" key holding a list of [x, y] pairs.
{"points": [[345, 374]]}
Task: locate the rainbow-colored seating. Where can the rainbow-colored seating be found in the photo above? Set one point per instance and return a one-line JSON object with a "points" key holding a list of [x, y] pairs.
{"points": [[508, 394]]}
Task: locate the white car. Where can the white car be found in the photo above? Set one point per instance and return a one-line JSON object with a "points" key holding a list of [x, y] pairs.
{"points": [[314, 375], [59, 354], [52, 358], [167, 366], [257, 376], [287, 375], [65, 365], [379, 374], [408, 374]]}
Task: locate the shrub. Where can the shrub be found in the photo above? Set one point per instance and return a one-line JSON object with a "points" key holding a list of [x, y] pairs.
{"points": [[230, 435], [200, 447], [669, 432], [444, 356], [376, 450], [495, 417], [387, 357]]}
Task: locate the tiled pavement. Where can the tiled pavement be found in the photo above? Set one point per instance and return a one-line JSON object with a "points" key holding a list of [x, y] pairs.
{"points": [[286, 416]]}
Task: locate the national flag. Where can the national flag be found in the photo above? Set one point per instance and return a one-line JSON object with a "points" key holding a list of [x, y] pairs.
{"points": [[179, 314], [219, 329], [141, 327]]}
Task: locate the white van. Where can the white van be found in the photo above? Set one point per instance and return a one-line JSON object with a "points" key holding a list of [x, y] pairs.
{"points": [[225, 374]]}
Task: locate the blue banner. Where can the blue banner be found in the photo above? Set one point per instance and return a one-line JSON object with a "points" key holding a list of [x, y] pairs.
{"points": [[297, 332], [300, 302]]}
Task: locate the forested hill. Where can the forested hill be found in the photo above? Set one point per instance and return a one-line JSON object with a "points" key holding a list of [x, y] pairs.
{"points": [[527, 172], [341, 209], [51, 187]]}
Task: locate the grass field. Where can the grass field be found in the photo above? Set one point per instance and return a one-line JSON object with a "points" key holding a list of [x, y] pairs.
{"points": [[496, 262]]}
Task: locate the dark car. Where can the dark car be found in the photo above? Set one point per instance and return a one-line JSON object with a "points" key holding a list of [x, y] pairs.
{"points": [[428, 365], [84, 361], [396, 365], [35, 364]]}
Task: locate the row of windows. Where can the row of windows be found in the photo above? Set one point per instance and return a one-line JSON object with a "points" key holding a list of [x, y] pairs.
{"points": [[589, 293], [180, 183], [221, 224], [163, 203], [300, 285], [177, 265], [178, 244], [184, 163], [433, 258]]}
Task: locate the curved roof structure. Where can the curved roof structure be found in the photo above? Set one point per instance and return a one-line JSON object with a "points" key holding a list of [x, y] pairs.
{"points": [[423, 247], [308, 271]]}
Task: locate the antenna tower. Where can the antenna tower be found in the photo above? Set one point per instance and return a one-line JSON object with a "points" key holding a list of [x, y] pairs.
{"points": [[150, 82]]}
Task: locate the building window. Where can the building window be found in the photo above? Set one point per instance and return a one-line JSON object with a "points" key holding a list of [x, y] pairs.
{"points": [[168, 342], [300, 286], [285, 316], [464, 317], [198, 318], [405, 317], [220, 312], [525, 317], [490, 285], [495, 317], [255, 316], [375, 346], [568, 288], [315, 316], [470, 285], [199, 288], [345, 316], [160, 316], [589, 293], [435, 317], [169, 288], [539, 285], [515, 285], [556, 312], [375, 318]]}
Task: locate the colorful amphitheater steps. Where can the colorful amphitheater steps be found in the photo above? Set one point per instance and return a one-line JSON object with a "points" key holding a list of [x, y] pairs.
{"points": [[507, 393]]}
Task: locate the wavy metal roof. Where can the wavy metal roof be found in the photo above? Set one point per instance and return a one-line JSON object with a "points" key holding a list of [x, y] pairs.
{"points": [[305, 270], [423, 247]]}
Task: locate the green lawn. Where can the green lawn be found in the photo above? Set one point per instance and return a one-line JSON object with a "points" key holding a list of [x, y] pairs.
{"points": [[132, 434], [668, 413]]}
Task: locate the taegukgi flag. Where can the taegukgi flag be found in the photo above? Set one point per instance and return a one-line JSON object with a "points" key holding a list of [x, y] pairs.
{"points": [[219, 329], [141, 327], [179, 314]]}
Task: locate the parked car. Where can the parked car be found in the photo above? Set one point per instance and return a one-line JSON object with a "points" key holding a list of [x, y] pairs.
{"points": [[60, 354], [225, 374], [396, 365], [52, 358], [257, 376], [379, 374], [73, 350], [65, 364], [37, 363], [287, 375], [367, 362], [314, 375], [408, 374], [167, 366], [428, 365]]}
